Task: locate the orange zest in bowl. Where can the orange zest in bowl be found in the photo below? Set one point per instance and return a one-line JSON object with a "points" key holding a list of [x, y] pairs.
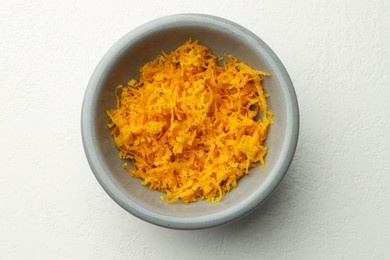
{"points": [[191, 127]]}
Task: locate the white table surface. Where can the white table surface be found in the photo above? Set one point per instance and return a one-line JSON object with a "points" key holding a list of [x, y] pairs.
{"points": [[334, 202]]}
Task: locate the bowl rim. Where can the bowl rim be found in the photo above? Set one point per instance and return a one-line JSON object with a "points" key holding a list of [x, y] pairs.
{"points": [[88, 123]]}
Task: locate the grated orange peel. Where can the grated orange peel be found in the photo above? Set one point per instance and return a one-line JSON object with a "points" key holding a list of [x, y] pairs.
{"points": [[190, 126]]}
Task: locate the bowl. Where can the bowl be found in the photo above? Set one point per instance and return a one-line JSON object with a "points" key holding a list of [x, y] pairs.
{"points": [[122, 62]]}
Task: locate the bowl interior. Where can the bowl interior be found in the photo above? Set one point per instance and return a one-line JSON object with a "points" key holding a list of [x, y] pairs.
{"points": [[129, 56]]}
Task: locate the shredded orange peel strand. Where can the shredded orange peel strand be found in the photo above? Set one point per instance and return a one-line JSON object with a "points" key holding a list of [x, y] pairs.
{"points": [[189, 125]]}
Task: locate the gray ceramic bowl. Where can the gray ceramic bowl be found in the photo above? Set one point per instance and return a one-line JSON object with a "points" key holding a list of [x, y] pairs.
{"points": [[122, 62]]}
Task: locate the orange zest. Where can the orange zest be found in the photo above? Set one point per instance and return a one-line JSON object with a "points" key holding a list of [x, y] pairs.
{"points": [[191, 127]]}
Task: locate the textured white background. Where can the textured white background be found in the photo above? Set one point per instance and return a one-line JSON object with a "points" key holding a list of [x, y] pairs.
{"points": [[334, 202]]}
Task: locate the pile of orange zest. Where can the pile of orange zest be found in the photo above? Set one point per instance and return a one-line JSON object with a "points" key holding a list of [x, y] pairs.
{"points": [[191, 127]]}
